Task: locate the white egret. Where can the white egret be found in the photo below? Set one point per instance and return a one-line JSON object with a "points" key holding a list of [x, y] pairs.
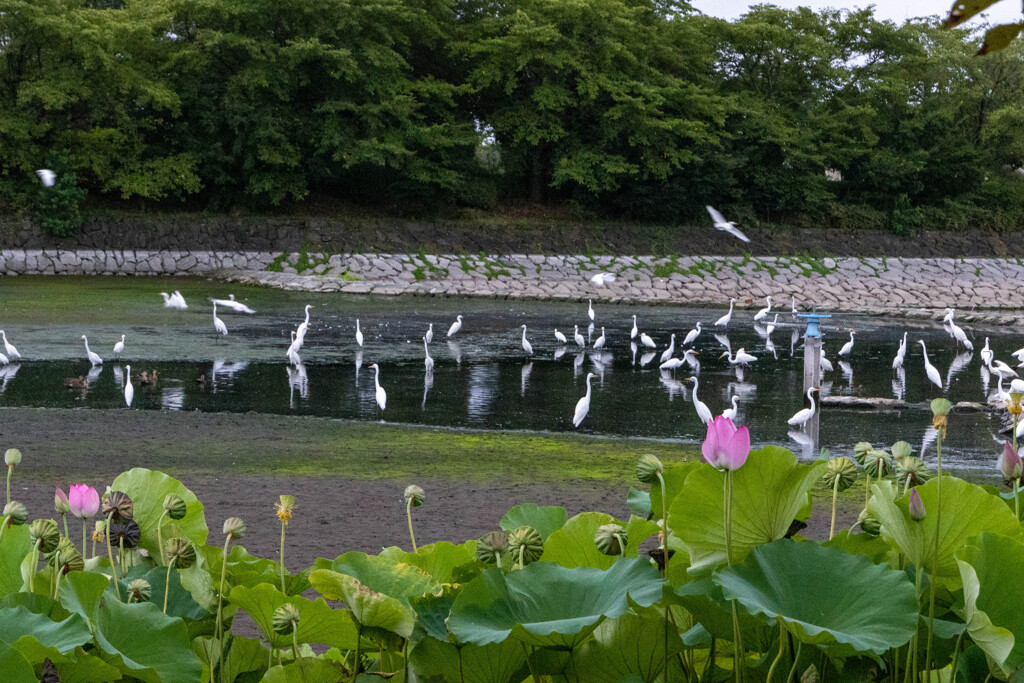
{"points": [[94, 358], [667, 353], [824, 363], [583, 405], [763, 313], [577, 337], [703, 412], [172, 301], [961, 336], [771, 326], [691, 336], [1018, 354], [731, 412], [430, 333], [428, 362], [671, 364], [527, 346], [300, 333], [986, 353], [793, 308], [599, 343], [803, 416], [848, 346], [119, 346], [9, 347], [1000, 368], [218, 324], [901, 353], [4, 360], [359, 333], [690, 358], [560, 337], [236, 306], [741, 357], [930, 370], [380, 394], [294, 359], [646, 340], [180, 299], [724, 320], [129, 390], [47, 176], [633, 332], [601, 279], [724, 225], [456, 326], [590, 309]]}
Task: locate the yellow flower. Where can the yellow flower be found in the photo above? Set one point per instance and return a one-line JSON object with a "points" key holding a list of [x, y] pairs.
{"points": [[284, 509]]}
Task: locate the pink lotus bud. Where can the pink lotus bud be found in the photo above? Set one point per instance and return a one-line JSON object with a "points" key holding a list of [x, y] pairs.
{"points": [[1010, 463], [725, 446], [60, 502], [916, 506], [84, 501]]}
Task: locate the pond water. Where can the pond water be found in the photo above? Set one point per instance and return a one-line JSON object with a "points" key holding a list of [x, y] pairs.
{"points": [[483, 379]]}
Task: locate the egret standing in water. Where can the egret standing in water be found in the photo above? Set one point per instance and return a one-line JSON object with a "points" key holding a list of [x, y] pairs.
{"points": [[429, 337], [848, 346], [218, 324], [359, 333], [9, 347], [577, 337], [119, 347], [599, 343], [929, 369], [724, 320], [456, 326], [428, 362], [763, 313], [731, 412], [527, 346], [986, 353], [703, 412], [633, 332], [560, 337], [646, 340], [901, 353], [380, 394], [300, 332], [94, 357], [129, 390], [583, 405], [667, 353], [692, 335], [801, 417], [741, 357], [590, 309]]}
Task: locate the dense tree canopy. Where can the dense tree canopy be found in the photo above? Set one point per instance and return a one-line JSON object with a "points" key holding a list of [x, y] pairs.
{"points": [[631, 108]]}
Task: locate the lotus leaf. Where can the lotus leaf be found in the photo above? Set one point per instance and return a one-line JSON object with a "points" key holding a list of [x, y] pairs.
{"points": [[546, 520], [179, 602], [244, 569], [145, 643], [80, 593], [368, 607], [869, 610], [147, 490], [769, 492], [309, 670], [38, 637], [573, 545], [675, 476], [433, 659], [15, 546], [385, 575], [631, 646], [244, 655], [639, 502], [318, 623], [545, 604], [440, 560]]}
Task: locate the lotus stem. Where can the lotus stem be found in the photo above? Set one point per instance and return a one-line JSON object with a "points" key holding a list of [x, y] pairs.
{"points": [[935, 559], [110, 554], [796, 659], [1016, 497], [4, 521], [56, 569], [835, 496], [32, 567], [408, 514], [522, 551], [10, 470], [64, 519], [160, 537], [220, 609], [359, 642], [956, 655], [737, 637], [913, 641], [283, 527], [85, 537], [778, 657], [664, 525]]}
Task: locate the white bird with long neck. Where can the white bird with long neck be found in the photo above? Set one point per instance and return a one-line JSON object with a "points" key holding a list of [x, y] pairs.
{"points": [[998, 367], [690, 358], [986, 353], [600, 341], [9, 347], [172, 301], [577, 337], [129, 390], [293, 354], [218, 324], [741, 357], [667, 353], [428, 362], [671, 364], [929, 369], [590, 309], [456, 326], [94, 357], [848, 346], [731, 412], [718, 220], [824, 363], [724, 320], [359, 333], [692, 335], [379, 393], [703, 412], [793, 308], [119, 347], [300, 333], [429, 336], [633, 332], [646, 340], [803, 416], [960, 335], [901, 353], [4, 360], [763, 313], [527, 346], [583, 405], [771, 326], [233, 305], [180, 300], [560, 337]]}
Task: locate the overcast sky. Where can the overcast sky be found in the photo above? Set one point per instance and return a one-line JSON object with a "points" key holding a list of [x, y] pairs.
{"points": [[897, 10]]}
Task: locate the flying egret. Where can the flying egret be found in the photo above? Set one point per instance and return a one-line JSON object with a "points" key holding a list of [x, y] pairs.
{"points": [[47, 176], [703, 412], [741, 357], [803, 416], [771, 326], [691, 336], [599, 343], [359, 333], [577, 337], [427, 360], [727, 226], [601, 279], [236, 306], [667, 353], [731, 412], [930, 370], [119, 346], [583, 405], [9, 347], [180, 299], [172, 301], [1000, 368], [646, 340], [986, 353], [847, 347], [380, 394], [763, 313], [527, 346], [560, 337], [633, 332], [724, 320], [590, 309], [94, 358], [129, 390], [456, 326], [218, 324]]}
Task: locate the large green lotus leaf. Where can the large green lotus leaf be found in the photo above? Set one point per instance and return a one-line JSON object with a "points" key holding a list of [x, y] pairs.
{"points": [[769, 492], [546, 520], [824, 596], [85, 667], [146, 643], [993, 606], [875, 548], [545, 604], [639, 502], [967, 510], [15, 668], [14, 546], [244, 655], [308, 670], [704, 600], [368, 607], [80, 593], [179, 603], [39, 604], [318, 623], [244, 569], [440, 560], [147, 490], [631, 647], [573, 545], [434, 660], [675, 476], [63, 636], [383, 575]]}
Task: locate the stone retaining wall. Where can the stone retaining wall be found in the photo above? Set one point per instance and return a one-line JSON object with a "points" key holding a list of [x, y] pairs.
{"points": [[844, 284]]}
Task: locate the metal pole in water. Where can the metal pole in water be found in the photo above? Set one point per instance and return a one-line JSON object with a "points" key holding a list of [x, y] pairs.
{"points": [[812, 367]]}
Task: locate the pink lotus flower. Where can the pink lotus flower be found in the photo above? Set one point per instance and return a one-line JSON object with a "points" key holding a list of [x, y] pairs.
{"points": [[725, 446], [1010, 463], [60, 502], [84, 501]]}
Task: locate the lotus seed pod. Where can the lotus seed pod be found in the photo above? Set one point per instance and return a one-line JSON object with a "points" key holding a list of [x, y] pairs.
{"points": [[414, 495], [180, 552], [526, 544], [44, 534], [941, 407], [16, 513], [286, 619], [67, 555], [860, 449], [611, 539], [840, 473], [120, 505], [869, 524], [648, 468], [99, 532], [235, 528], [901, 449], [916, 506], [913, 470], [174, 506], [877, 463], [125, 535], [139, 590], [284, 509], [12, 457], [492, 547]]}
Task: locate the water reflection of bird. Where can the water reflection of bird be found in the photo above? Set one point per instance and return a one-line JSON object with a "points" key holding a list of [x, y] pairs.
{"points": [[129, 390], [632, 348], [428, 384], [456, 351], [672, 385], [899, 384], [847, 370], [524, 376], [560, 351], [957, 365], [7, 373], [647, 358], [577, 363]]}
